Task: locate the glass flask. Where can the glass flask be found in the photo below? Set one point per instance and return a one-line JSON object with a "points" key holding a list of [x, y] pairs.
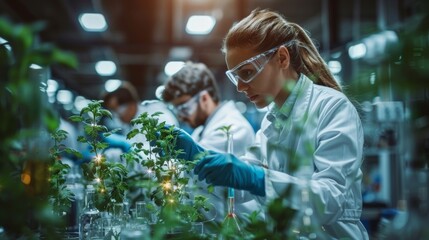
{"points": [[230, 225], [90, 216], [305, 225], [118, 221]]}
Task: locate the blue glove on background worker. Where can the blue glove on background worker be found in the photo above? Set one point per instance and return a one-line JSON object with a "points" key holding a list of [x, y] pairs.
{"points": [[118, 141], [222, 169], [185, 142]]}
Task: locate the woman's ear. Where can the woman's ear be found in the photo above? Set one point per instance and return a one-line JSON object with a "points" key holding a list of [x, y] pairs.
{"points": [[284, 57]]}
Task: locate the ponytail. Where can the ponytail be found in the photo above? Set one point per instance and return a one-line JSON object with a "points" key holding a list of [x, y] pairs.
{"points": [[264, 29]]}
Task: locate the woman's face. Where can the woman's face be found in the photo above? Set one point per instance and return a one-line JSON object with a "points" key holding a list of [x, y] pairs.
{"points": [[266, 86]]}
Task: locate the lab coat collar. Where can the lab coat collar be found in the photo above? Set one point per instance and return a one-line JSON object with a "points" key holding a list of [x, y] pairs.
{"points": [[284, 112], [221, 105], [214, 112], [279, 117]]}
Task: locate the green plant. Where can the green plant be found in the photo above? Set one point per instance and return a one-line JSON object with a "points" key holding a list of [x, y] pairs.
{"points": [[61, 196], [166, 176], [108, 177], [26, 117]]}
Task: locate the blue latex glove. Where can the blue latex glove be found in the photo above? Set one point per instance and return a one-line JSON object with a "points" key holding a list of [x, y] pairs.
{"points": [[185, 142], [225, 169], [118, 141]]}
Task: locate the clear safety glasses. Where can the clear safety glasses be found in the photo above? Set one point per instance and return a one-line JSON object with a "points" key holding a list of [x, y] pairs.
{"points": [[247, 71], [187, 108]]}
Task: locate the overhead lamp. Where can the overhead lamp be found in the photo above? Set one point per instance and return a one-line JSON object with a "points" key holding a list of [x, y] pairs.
{"points": [[357, 51], [112, 84], [35, 66], [376, 47], [334, 66], [52, 86], [173, 67], [200, 24], [105, 68], [5, 43], [93, 22], [80, 102], [65, 97]]}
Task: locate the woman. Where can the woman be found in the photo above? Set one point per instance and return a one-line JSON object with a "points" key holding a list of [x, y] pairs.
{"points": [[275, 63]]}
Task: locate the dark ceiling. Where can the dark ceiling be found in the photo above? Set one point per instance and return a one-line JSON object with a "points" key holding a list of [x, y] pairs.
{"points": [[142, 34]]}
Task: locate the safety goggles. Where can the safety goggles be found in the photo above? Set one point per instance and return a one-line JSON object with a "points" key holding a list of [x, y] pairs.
{"points": [[187, 108], [247, 70]]}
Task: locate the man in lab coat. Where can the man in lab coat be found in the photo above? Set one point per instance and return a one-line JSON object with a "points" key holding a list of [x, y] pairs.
{"points": [[195, 97]]}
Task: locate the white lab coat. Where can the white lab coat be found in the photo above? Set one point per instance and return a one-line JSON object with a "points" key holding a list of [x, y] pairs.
{"points": [[213, 139], [319, 124]]}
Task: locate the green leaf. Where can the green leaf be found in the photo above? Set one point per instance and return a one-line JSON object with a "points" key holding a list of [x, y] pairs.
{"points": [[51, 121], [132, 133], [106, 113], [76, 118], [210, 188], [81, 139]]}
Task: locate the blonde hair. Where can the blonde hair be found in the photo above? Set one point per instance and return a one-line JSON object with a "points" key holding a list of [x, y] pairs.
{"points": [[265, 29]]}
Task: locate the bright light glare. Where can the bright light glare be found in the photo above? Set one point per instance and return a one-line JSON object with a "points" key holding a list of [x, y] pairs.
{"points": [[5, 43], [80, 102], [334, 66], [372, 78], [93, 22], [200, 24], [52, 87], [357, 51], [158, 92], [173, 67], [35, 66], [105, 68], [64, 96], [112, 84]]}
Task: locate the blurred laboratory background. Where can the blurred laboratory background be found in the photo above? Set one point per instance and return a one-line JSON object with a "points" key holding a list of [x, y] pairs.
{"points": [[377, 49]]}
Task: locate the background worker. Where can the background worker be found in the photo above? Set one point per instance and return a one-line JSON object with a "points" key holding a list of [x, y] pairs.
{"points": [[195, 96]]}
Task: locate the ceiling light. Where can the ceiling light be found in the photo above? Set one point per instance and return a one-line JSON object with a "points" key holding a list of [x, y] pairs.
{"points": [[173, 67], [334, 66], [80, 102], [64, 96], [376, 47], [200, 24], [93, 22], [5, 43], [357, 51], [105, 68], [112, 84], [52, 87], [35, 66]]}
